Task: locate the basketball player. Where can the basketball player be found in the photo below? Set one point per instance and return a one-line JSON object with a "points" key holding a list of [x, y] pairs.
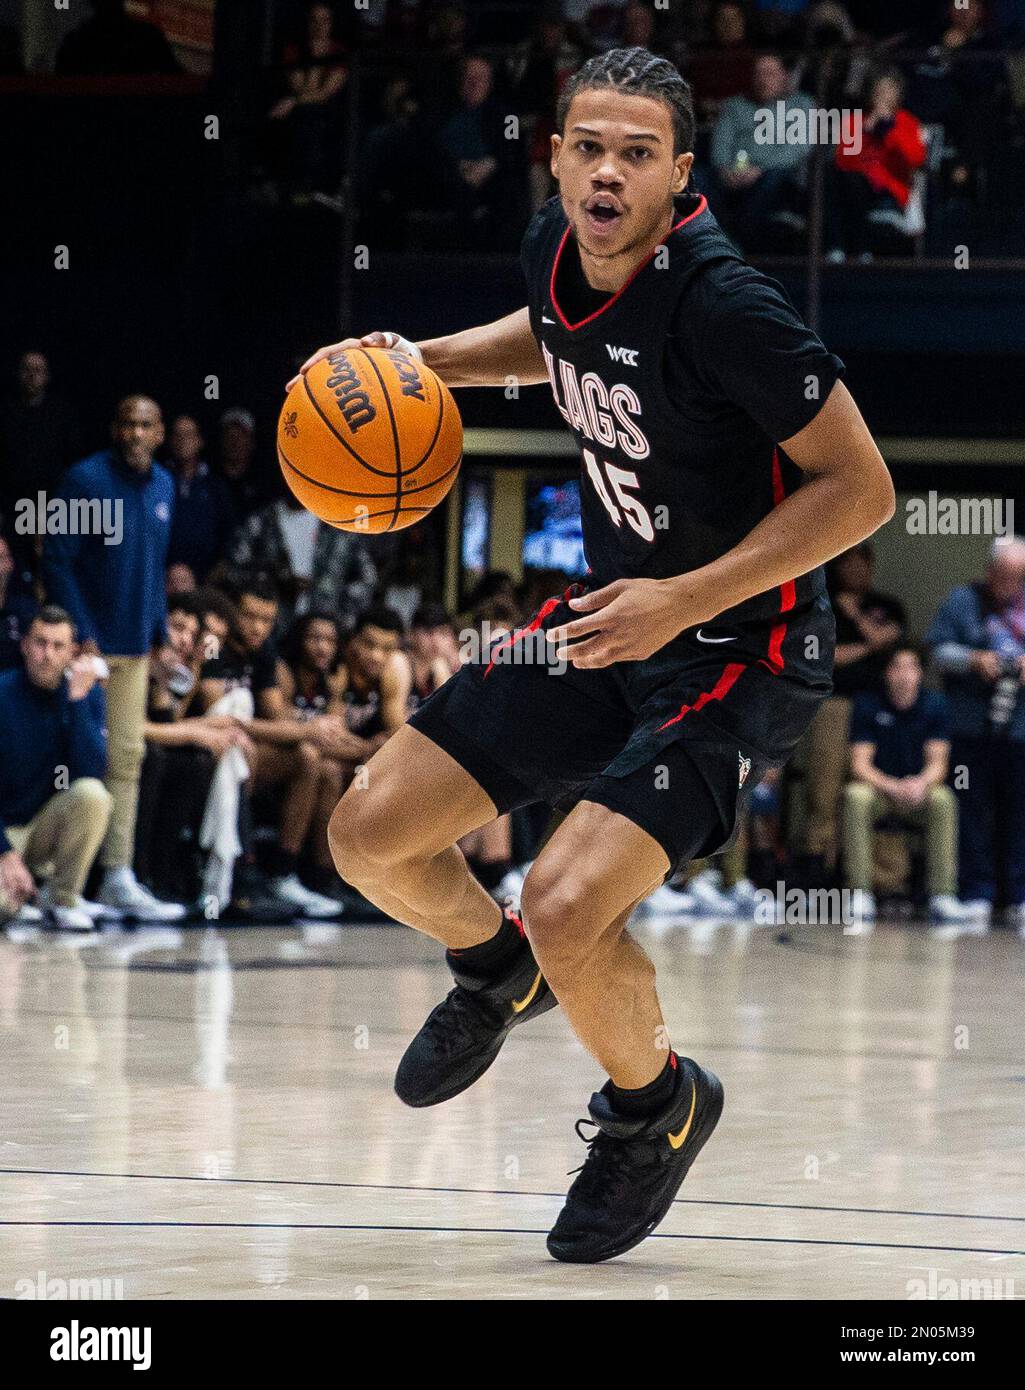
{"points": [[433, 652], [723, 461]]}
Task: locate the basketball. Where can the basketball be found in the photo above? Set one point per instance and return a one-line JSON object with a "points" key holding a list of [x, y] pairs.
{"points": [[370, 440]]}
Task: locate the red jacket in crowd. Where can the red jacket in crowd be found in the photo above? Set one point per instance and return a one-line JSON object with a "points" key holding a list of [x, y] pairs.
{"points": [[887, 161]]}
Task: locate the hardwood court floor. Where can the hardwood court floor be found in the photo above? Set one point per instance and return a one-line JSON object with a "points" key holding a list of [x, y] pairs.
{"points": [[210, 1114]]}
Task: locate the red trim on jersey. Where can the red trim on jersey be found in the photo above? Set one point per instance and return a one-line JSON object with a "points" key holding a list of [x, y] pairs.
{"points": [[787, 592], [672, 1060], [549, 606], [719, 691], [512, 916], [572, 327]]}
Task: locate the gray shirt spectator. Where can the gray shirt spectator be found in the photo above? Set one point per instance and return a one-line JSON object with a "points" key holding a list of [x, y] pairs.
{"points": [[736, 151], [313, 565]]}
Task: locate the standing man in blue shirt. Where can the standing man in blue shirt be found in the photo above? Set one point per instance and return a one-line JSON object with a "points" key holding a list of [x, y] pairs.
{"points": [[111, 581], [54, 808]]}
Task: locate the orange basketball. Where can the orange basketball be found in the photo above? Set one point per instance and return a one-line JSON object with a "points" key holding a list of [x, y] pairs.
{"points": [[370, 440]]}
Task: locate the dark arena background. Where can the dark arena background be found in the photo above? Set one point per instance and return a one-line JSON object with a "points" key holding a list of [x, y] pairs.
{"points": [[200, 1020]]}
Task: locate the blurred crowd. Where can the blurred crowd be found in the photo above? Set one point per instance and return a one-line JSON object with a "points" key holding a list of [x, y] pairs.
{"points": [[193, 671], [456, 107]]}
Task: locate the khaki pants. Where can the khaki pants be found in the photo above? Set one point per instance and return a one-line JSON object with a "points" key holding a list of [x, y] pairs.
{"points": [[863, 806], [66, 834], [827, 756], [732, 865], [126, 715]]}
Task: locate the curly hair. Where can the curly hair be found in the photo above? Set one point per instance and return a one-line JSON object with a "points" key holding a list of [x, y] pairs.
{"points": [[641, 73]]}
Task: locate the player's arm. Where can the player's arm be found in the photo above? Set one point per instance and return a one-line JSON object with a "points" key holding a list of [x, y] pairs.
{"points": [[847, 496], [485, 356], [863, 769], [936, 761]]}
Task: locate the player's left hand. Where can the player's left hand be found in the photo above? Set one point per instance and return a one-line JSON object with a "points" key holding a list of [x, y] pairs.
{"points": [[627, 620]]}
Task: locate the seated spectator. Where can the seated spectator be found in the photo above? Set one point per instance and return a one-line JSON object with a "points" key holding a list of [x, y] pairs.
{"points": [[17, 608], [834, 66], [52, 712], [900, 751], [407, 572], [761, 184], [777, 20], [978, 643], [179, 580], [203, 513], [433, 652], [237, 461], [868, 627], [216, 619], [540, 71], [723, 68], [312, 564], [638, 28], [393, 178], [444, 54], [116, 596], [39, 436], [312, 680], [596, 25], [477, 162], [181, 755], [873, 169], [288, 751], [958, 82], [311, 113], [113, 43], [375, 678]]}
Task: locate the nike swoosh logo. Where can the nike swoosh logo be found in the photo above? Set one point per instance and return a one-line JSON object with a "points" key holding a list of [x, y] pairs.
{"points": [[546, 320], [520, 1004], [713, 639], [675, 1140]]}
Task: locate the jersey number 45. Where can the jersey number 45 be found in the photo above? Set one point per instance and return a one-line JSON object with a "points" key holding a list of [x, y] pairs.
{"points": [[619, 480]]}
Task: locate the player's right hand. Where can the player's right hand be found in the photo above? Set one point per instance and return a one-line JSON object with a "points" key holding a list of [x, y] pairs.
{"points": [[385, 339]]}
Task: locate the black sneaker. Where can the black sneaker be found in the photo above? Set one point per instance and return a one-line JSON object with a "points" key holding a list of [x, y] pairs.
{"points": [[634, 1169], [465, 1033]]}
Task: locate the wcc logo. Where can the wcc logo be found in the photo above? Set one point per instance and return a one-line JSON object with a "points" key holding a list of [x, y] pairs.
{"points": [[628, 356]]}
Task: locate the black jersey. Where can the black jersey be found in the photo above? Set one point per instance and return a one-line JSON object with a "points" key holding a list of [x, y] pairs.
{"points": [[679, 388], [308, 706], [363, 711]]}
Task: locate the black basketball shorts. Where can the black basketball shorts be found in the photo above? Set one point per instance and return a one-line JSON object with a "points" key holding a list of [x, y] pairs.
{"points": [[675, 743]]}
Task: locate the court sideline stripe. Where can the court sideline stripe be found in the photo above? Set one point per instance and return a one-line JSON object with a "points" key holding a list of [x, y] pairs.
{"points": [[749, 1049], [503, 1230], [493, 1192]]}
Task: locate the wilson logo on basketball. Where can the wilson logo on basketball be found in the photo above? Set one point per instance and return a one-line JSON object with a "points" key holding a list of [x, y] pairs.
{"points": [[352, 399], [289, 426]]}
